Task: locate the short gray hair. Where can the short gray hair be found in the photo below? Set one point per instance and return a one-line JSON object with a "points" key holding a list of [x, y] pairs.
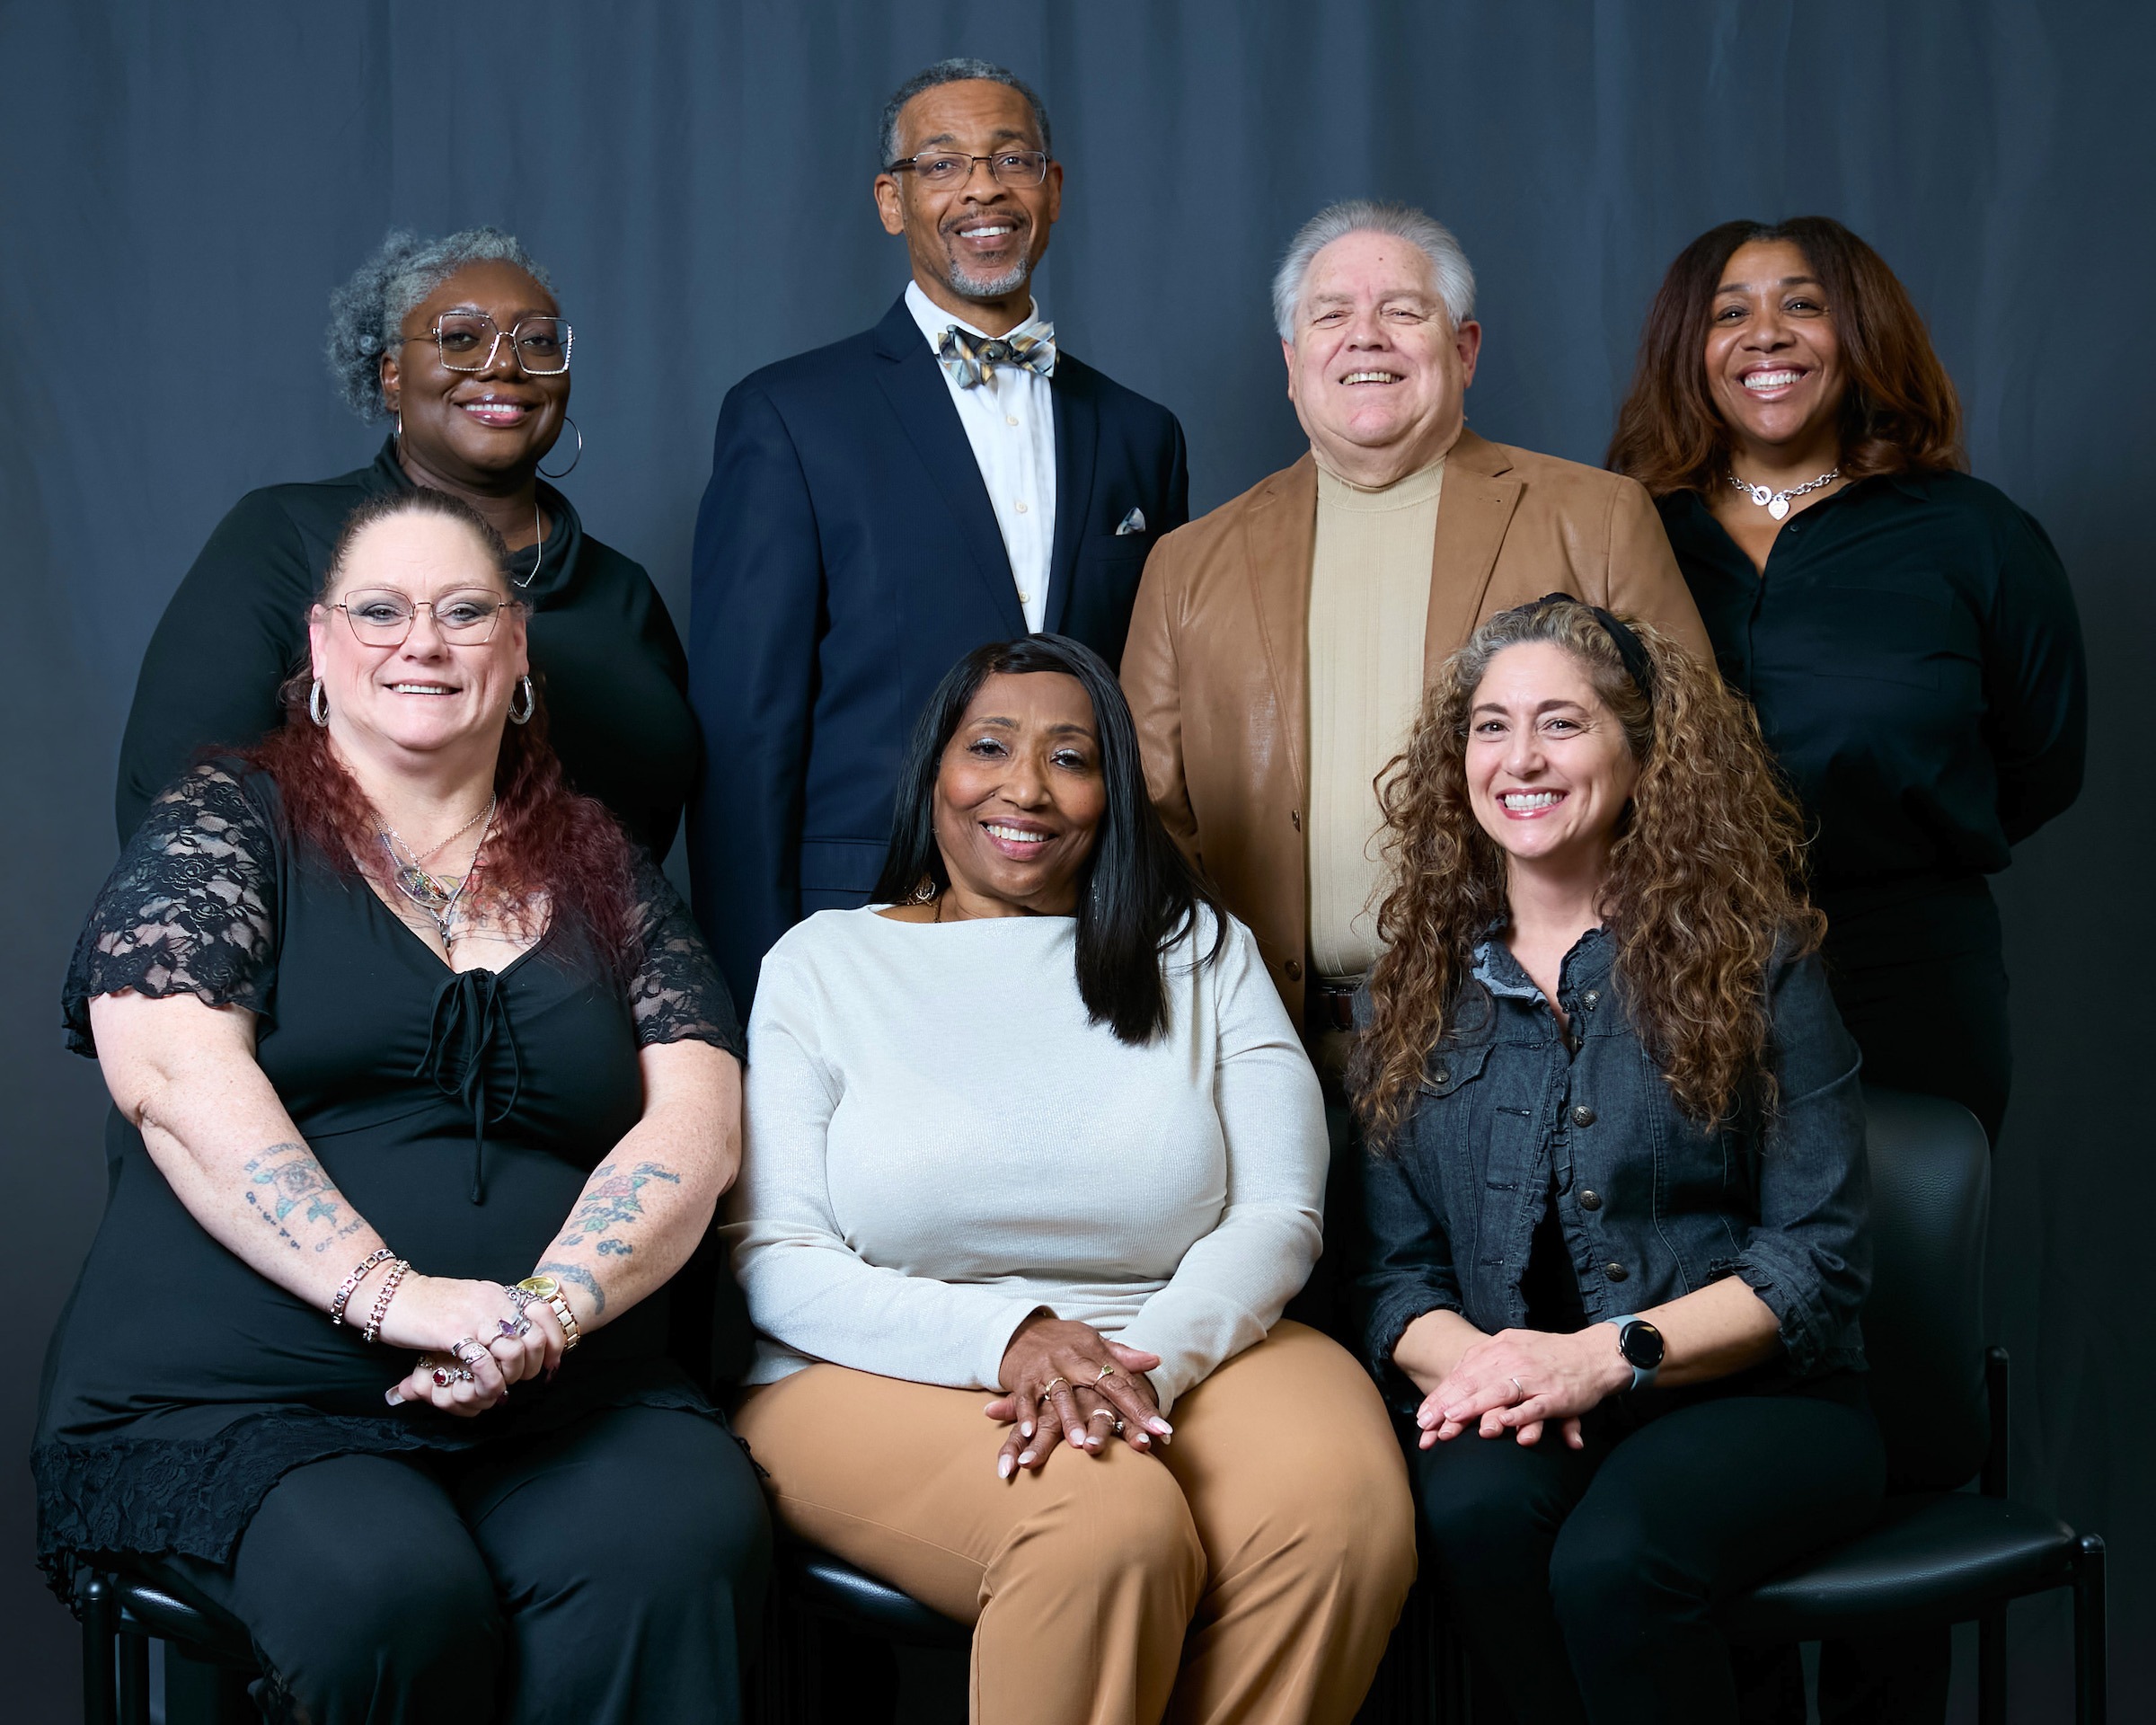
{"points": [[958, 71], [367, 314], [1454, 276]]}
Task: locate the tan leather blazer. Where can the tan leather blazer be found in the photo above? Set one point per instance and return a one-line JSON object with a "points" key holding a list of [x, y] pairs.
{"points": [[1217, 666]]}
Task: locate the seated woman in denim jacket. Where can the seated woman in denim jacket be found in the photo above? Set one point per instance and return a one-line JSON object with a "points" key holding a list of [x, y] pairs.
{"points": [[1617, 1203]]}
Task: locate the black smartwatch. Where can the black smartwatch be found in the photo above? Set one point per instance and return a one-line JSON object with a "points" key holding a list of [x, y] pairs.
{"points": [[1641, 1343]]}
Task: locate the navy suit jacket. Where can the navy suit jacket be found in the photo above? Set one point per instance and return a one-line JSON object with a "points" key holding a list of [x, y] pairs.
{"points": [[846, 557]]}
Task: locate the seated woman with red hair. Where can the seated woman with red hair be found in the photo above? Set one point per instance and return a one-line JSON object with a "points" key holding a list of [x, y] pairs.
{"points": [[425, 1079]]}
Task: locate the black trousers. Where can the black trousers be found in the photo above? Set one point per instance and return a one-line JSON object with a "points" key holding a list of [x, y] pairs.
{"points": [[1920, 981], [610, 1571], [1587, 1579]]}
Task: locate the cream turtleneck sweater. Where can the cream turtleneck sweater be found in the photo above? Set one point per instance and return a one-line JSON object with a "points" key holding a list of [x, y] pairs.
{"points": [[1369, 601]]}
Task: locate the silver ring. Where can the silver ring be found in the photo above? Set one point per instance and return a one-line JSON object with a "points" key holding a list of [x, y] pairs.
{"points": [[514, 1329], [478, 1349], [1520, 1387], [1101, 1413]]}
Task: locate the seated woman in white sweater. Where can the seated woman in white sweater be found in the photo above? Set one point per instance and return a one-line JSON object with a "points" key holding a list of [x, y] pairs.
{"points": [[1040, 1128]]}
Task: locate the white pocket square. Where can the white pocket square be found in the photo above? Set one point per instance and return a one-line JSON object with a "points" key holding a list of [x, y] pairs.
{"points": [[1134, 522]]}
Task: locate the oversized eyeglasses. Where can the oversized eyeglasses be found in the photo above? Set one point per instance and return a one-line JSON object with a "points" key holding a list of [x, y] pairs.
{"points": [[383, 617], [469, 341], [943, 169]]}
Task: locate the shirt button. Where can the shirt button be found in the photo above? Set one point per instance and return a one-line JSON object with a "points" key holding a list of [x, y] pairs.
{"points": [[1294, 818], [1591, 999], [1583, 1115], [1024, 597], [1590, 1201], [1443, 1075], [1293, 967], [1009, 418], [1021, 508], [1615, 1272]]}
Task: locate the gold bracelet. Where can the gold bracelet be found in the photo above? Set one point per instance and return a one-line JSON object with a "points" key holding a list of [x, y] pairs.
{"points": [[547, 1289]]}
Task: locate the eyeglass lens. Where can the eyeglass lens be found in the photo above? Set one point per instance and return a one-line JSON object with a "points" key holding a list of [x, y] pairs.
{"points": [[469, 340], [1011, 168], [383, 617]]}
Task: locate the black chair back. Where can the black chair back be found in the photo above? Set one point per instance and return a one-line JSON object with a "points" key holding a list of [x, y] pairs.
{"points": [[1924, 1324]]}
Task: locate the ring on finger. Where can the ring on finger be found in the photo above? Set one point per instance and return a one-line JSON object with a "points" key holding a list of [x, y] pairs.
{"points": [[1115, 1425], [1048, 1388], [1520, 1387], [1106, 1372], [514, 1329], [468, 1349]]}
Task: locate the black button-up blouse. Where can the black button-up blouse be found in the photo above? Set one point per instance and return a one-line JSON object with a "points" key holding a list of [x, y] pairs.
{"points": [[1915, 657]]}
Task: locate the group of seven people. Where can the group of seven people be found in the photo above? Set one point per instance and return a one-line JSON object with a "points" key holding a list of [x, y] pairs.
{"points": [[1478, 867]]}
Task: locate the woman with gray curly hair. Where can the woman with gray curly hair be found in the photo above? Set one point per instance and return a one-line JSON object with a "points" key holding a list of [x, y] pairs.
{"points": [[460, 344]]}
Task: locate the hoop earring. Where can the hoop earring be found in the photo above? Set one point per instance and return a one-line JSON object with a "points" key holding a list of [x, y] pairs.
{"points": [[925, 893], [318, 705], [531, 702], [571, 468]]}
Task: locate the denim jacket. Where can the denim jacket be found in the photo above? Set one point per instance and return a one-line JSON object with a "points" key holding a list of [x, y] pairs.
{"points": [[1651, 1206]]}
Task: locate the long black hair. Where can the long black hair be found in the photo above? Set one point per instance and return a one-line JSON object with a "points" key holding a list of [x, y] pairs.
{"points": [[1138, 896]]}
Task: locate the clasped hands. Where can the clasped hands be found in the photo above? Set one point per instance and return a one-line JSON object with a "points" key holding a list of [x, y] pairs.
{"points": [[1067, 1377], [437, 1314], [1518, 1381]]}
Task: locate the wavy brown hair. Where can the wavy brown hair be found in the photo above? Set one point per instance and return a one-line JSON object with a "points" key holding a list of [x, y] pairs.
{"points": [[1704, 884], [1901, 413], [547, 842]]}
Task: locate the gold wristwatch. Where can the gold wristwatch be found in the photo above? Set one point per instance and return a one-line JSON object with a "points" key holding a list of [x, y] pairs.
{"points": [[547, 1289]]}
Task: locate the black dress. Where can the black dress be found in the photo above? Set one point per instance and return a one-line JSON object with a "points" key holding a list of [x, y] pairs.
{"points": [[602, 649], [181, 1385], [1913, 653]]}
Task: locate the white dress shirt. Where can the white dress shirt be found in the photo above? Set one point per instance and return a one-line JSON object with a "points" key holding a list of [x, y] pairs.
{"points": [[1010, 419]]}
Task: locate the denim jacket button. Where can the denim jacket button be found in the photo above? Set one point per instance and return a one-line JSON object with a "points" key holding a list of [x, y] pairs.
{"points": [[1590, 1201], [1583, 1115], [1443, 1075], [1591, 999], [1615, 1272]]}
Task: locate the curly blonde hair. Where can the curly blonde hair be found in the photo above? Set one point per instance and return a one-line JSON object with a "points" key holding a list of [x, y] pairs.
{"points": [[1704, 886]]}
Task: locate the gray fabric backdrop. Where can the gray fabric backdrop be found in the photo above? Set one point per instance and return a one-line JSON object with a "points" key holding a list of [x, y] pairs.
{"points": [[182, 186]]}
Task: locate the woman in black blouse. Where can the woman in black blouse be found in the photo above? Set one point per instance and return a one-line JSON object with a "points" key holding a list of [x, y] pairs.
{"points": [[460, 343], [427, 1085], [1906, 633]]}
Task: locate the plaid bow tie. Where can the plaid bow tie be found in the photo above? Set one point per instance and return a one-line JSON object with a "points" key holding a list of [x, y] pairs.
{"points": [[970, 357]]}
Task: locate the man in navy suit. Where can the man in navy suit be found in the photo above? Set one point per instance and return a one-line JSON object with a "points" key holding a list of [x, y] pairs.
{"points": [[880, 506]]}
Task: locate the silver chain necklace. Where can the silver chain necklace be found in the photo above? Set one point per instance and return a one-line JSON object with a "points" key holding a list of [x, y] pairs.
{"points": [[436, 897], [1777, 503], [538, 539]]}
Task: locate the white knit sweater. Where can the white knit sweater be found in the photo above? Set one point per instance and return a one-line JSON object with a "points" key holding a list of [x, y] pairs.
{"points": [[939, 1144]]}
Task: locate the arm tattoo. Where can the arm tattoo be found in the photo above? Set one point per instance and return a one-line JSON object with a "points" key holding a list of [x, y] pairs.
{"points": [[286, 1179], [612, 1198], [582, 1277]]}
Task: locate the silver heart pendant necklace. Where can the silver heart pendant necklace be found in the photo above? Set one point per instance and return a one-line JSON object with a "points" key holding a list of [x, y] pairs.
{"points": [[1777, 503]]}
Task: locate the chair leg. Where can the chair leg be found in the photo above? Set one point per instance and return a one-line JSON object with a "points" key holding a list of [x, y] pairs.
{"points": [[2091, 1675], [101, 1701], [134, 1679], [1991, 1668]]}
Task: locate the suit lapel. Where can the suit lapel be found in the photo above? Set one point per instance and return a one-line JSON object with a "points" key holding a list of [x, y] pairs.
{"points": [[1280, 535], [1473, 512], [913, 383], [1077, 436]]}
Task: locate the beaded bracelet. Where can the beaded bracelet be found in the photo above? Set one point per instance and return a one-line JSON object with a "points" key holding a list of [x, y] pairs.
{"points": [[382, 1300], [342, 1296]]}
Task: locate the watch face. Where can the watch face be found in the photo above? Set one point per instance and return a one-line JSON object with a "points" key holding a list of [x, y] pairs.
{"points": [[545, 1286], [1641, 1343]]}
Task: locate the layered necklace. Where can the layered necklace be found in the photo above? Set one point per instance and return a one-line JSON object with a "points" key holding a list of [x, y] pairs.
{"points": [[436, 896], [1777, 503]]}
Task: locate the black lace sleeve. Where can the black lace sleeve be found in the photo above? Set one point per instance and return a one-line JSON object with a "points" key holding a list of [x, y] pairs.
{"points": [[676, 992], [189, 909]]}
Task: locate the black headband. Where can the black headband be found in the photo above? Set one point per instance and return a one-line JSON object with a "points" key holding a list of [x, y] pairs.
{"points": [[1630, 647]]}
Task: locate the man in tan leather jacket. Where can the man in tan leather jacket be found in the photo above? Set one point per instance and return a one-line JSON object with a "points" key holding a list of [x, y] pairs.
{"points": [[1277, 653]]}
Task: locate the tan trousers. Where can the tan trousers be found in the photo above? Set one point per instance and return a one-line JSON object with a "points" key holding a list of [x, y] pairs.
{"points": [[1252, 1573]]}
